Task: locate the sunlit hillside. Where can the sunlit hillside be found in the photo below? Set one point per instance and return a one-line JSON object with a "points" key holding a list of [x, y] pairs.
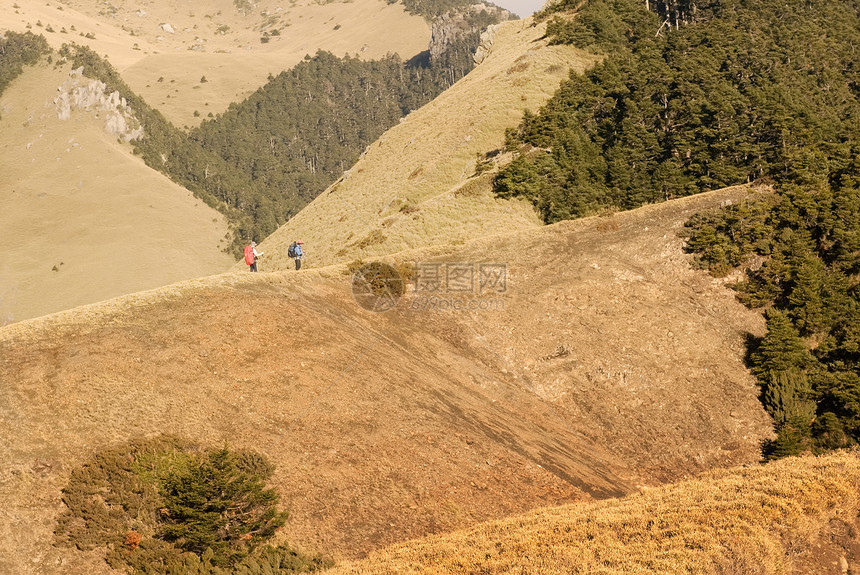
{"points": [[83, 219], [794, 516], [454, 383], [417, 185], [603, 363], [163, 49]]}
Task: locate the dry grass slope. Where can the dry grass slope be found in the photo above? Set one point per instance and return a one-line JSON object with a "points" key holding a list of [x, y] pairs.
{"points": [[764, 519], [83, 219], [388, 427], [414, 186], [163, 49]]}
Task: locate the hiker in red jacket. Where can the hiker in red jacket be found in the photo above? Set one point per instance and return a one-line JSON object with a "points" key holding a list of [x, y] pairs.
{"points": [[251, 256]]}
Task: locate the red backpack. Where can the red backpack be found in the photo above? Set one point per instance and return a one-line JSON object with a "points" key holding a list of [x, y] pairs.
{"points": [[249, 255]]}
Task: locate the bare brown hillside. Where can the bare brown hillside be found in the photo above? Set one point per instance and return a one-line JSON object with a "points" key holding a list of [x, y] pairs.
{"points": [[604, 364]]}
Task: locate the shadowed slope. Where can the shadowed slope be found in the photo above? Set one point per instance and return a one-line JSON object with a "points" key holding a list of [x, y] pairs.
{"points": [[390, 426]]}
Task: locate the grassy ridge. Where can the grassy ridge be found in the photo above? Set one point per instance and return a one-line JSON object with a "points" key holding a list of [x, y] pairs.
{"points": [[754, 520]]}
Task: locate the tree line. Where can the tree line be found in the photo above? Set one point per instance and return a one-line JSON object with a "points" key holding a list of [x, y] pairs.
{"points": [[693, 96], [267, 157], [19, 50], [808, 364]]}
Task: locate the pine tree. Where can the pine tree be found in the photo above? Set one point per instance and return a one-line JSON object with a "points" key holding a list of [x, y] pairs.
{"points": [[788, 397], [793, 438], [781, 350], [805, 301], [219, 505]]}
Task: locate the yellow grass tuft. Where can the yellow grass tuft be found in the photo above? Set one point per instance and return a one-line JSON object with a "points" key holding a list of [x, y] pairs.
{"points": [[746, 520]]}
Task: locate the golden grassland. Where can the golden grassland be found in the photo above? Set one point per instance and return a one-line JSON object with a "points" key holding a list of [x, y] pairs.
{"points": [[85, 220], [219, 40], [760, 519], [82, 218], [417, 185]]}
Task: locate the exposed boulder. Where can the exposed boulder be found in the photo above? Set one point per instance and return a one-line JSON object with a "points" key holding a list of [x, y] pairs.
{"points": [[80, 93], [455, 24], [487, 38]]}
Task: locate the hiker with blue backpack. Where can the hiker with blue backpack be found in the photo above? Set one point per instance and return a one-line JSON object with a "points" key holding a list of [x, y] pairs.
{"points": [[295, 252]]}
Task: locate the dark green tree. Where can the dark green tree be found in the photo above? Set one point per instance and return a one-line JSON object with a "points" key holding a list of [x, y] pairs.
{"points": [[806, 305], [165, 506], [217, 503], [781, 350]]}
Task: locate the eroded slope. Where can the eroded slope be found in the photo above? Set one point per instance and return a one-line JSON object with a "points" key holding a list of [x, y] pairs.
{"points": [[390, 426]]}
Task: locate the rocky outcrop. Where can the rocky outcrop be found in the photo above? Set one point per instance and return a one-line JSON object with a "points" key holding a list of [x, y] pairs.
{"points": [[487, 38], [453, 25], [80, 93]]}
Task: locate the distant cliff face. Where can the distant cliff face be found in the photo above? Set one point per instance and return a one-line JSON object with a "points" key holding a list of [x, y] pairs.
{"points": [[454, 25], [488, 37]]}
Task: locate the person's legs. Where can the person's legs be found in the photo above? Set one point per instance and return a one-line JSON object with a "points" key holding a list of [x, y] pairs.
{"points": [[298, 263], [254, 267]]}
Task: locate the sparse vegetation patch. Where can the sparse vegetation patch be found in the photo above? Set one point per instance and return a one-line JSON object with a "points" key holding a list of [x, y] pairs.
{"points": [[17, 51], [168, 506], [373, 238]]}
